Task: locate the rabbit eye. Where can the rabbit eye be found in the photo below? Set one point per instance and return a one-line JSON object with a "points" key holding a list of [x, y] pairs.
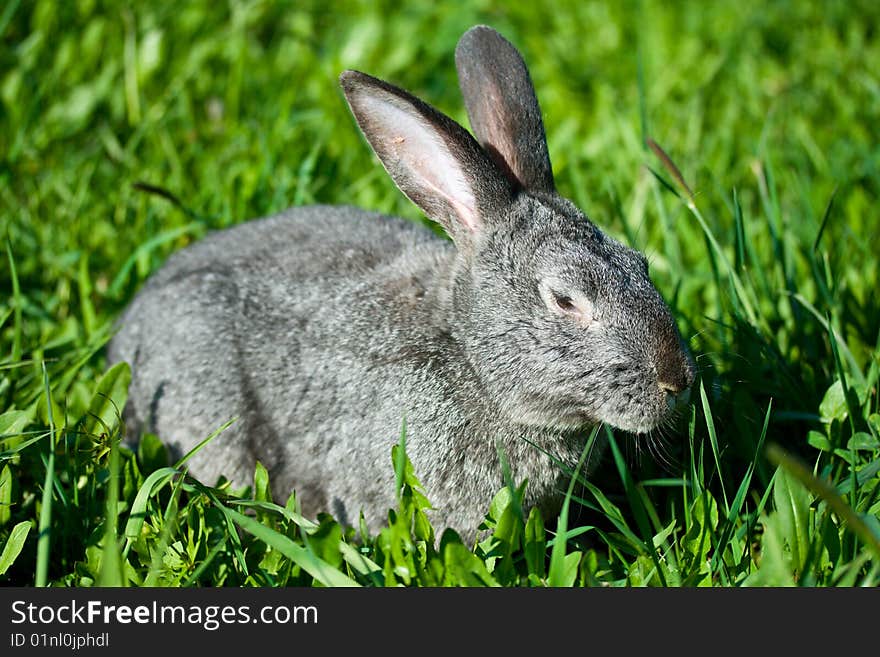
{"points": [[573, 306], [563, 302]]}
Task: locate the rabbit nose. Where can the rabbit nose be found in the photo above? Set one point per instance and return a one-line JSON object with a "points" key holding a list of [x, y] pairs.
{"points": [[676, 393], [674, 378], [673, 386]]}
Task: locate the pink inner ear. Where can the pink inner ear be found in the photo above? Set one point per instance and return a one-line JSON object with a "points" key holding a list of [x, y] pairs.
{"points": [[496, 133], [423, 154], [463, 208]]}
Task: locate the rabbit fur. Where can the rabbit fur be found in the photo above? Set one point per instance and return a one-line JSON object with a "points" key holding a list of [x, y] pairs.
{"points": [[322, 327]]}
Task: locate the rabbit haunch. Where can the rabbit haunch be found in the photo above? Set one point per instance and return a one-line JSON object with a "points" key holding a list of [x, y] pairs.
{"points": [[322, 327]]}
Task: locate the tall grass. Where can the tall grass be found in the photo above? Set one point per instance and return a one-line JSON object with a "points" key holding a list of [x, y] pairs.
{"points": [[733, 142]]}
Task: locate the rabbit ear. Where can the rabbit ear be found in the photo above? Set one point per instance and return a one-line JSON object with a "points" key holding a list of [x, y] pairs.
{"points": [[502, 106], [432, 159]]}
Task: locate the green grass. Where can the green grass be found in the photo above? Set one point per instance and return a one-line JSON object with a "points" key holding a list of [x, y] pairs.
{"points": [[766, 111]]}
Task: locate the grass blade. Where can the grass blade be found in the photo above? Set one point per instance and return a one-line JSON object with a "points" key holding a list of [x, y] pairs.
{"points": [[713, 441], [115, 288], [45, 526], [825, 217], [854, 369], [111, 563], [150, 487], [670, 167], [18, 303], [195, 450], [314, 566], [643, 98], [636, 504], [740, 496], [557, 571]]}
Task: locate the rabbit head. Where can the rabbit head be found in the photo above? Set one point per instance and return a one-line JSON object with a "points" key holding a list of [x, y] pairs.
{"points": [[560, 322]]}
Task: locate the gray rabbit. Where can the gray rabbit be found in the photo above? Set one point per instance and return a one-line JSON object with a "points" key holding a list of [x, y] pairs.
{"points": [[321, 328]]}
